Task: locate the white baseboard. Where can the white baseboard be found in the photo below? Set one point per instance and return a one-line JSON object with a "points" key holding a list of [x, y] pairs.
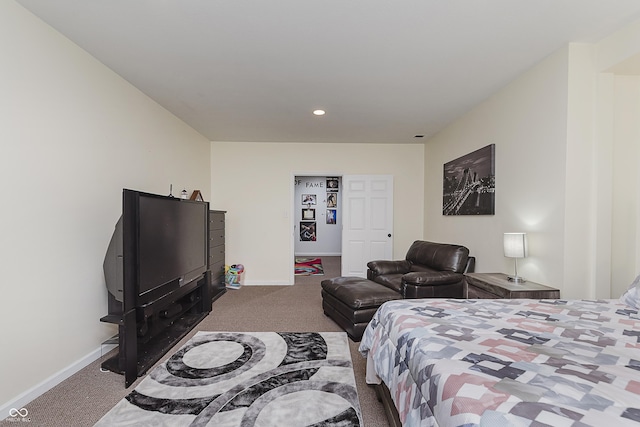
{"points": [[21, 401], [265, 283], [319, 254]]}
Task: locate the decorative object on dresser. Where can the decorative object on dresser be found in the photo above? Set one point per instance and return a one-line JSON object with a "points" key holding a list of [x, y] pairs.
{"points": [[498, 286], [217, 252], [515, 246], [197, 196]]}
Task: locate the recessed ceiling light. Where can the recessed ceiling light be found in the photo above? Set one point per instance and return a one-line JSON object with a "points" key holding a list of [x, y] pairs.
{"points": [[319, 112]]}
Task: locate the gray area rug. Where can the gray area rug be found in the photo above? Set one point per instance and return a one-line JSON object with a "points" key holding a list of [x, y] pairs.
{"points": [[227, 379]]}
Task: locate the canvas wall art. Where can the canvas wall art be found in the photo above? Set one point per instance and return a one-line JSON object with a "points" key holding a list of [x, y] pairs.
{"points": [[331, 216], [309, 214], [468, 186], [308, 199], [307, 231], [332, 200], [332, 184]]}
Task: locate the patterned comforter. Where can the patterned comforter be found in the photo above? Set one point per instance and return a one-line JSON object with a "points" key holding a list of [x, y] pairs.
{"points": [[508, 362]]}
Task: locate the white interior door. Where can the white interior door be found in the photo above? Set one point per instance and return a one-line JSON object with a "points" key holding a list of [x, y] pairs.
{"points": [[367, 232]]}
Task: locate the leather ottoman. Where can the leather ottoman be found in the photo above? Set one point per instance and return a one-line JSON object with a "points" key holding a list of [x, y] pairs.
{"points": [[352, 301]]}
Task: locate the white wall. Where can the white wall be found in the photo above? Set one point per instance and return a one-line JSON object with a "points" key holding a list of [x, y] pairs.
{"points": [[581, 198], [625, 254], [73, 135], [527, 123], [567, 170], [618, 108], [253, 183]]}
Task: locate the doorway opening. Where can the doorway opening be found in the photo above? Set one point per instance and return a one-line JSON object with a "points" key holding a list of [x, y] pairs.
{"points": [[362, 219], [317, 225]]}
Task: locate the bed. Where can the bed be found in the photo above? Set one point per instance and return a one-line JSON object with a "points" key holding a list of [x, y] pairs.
{"points": [[507, 362]]}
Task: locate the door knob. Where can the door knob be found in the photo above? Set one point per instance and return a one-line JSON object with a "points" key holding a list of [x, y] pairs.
{"points": [[389, 235]]}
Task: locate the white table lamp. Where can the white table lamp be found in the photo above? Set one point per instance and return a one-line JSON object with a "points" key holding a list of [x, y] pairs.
{"points": [[515, 246]]}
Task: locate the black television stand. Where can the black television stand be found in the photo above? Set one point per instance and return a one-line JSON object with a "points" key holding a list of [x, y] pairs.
{"points": [[147, 332]]}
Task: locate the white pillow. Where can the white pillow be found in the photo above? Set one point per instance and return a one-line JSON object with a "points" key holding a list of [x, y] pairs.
{"points": [[631, 297]]}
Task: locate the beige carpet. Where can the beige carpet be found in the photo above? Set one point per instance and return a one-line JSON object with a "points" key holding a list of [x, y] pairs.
{"points": [[85, 397]]}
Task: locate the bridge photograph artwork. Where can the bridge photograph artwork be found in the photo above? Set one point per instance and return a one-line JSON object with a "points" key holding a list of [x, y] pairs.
{"points": [[468, 186]]}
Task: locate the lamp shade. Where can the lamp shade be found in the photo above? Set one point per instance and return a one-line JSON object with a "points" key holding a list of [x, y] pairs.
{"points": [[515, 245]]}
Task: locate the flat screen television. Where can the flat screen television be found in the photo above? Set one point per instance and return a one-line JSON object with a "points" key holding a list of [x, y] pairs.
{"points": [[159, 244]]}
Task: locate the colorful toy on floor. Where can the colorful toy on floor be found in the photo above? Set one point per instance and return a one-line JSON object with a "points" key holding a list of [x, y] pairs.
{"points": [[233, 276]]}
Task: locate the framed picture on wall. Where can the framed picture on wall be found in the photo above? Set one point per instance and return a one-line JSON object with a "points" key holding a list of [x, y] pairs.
{"points": [[307, 231], [468, 185], [331, 216], [308, 199], [309, 214], [332, 200], [332, 184]]}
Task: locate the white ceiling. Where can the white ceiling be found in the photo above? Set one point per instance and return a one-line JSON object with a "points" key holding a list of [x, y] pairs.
{"points": [[384, 70]]}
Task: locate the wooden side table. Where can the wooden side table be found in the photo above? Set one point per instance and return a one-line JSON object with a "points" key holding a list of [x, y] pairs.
{"points": [[497, 286]]}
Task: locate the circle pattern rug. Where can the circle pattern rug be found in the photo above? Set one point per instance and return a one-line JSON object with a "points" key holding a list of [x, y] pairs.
{"points": [[229, 379]]}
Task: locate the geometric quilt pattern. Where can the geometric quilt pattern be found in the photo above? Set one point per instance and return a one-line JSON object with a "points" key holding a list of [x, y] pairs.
{"points": [[508, 362]]}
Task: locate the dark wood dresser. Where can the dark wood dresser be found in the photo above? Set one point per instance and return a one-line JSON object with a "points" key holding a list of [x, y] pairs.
{"points": [[497, 286], [216, 253]]}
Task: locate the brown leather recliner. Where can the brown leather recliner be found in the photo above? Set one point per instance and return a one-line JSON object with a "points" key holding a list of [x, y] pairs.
{"points": [[429, 270]]}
